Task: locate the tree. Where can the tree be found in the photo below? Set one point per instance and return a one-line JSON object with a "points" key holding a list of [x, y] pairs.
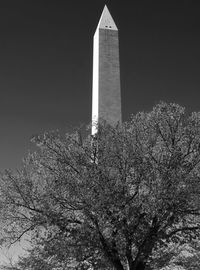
{"points": [[112, 199], [36, 258], [188, 256]]}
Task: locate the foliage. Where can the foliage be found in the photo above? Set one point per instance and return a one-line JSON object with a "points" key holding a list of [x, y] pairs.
{"points": [[189, 256], [36, 258], [113, 199]]}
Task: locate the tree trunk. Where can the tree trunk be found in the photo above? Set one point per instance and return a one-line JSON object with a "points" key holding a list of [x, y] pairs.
{"points": [[138, 266], [146, 248]]}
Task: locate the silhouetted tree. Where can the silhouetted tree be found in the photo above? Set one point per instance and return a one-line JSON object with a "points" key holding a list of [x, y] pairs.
{"points": [[112, 199]]}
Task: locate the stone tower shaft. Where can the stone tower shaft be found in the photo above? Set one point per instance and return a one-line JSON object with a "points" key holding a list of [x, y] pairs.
{"points": [[106, 96]]}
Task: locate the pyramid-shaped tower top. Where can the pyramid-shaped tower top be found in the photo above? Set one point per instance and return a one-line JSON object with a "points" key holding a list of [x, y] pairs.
{"points": [[106, 21]]}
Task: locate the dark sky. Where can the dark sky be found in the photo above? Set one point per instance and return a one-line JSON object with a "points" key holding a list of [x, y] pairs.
{"points": [[46, 63]]}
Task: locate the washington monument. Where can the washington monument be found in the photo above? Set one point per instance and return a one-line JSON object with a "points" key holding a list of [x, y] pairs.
{"points": [[106, 92]]}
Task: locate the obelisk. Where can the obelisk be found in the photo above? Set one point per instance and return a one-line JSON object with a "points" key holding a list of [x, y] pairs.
{"points": [[106, 92]]}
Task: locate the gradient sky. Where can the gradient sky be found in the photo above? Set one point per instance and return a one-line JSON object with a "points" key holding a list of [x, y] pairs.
{"points": [[46, 63]]}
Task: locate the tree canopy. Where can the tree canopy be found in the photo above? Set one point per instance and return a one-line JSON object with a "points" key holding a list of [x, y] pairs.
{"points": [[111, 200]]}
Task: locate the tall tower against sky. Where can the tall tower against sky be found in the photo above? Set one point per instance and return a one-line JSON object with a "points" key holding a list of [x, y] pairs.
{"points": [[106, 93]]}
